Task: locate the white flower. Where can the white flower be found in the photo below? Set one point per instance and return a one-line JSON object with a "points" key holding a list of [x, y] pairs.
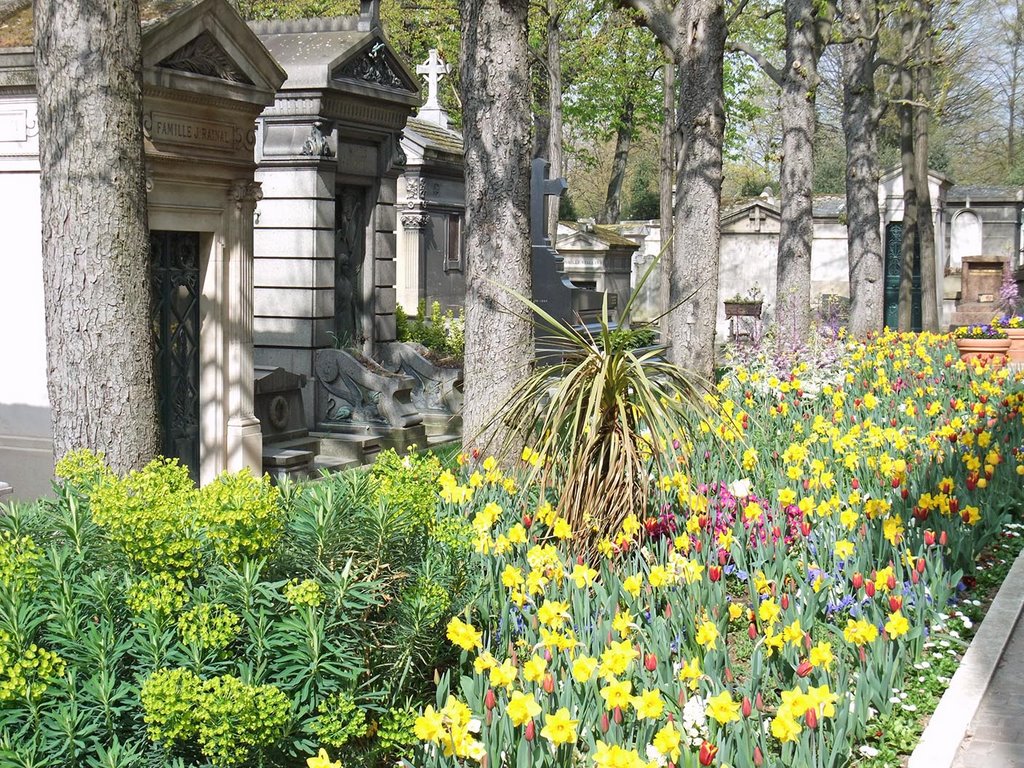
{"points": [[867, 751], [654, 756], [741, 488]]}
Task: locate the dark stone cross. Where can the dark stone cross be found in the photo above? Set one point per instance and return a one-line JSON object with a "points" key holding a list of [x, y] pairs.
{"points": [[552, 290]]}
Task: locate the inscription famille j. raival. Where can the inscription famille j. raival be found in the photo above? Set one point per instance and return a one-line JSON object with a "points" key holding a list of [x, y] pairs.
{"points": [[204, 132]]}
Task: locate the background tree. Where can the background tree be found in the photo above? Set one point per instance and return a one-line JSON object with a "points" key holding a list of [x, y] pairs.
{"points": [[808, 25], [95, 241], [860, 114], [496, 103], [695, 33]]}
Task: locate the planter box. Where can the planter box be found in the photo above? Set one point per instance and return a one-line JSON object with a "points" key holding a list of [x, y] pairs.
{"points": [[742, 309], [1016, 351], [983, 350]]}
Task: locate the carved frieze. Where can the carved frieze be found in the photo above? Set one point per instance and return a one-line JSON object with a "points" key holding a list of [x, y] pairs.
{"points": [[415, 219], [316, 144], [204, 56]]}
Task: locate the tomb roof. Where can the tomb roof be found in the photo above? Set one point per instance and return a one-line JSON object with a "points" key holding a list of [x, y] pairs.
{"points": [[316, 53], [431, 136], [982, 193]]}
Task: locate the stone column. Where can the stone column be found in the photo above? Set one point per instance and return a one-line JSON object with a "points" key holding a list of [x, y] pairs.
{"points": [[411, 277], [244, 439]]}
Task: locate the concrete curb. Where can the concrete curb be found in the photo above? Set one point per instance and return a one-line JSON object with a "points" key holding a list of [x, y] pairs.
{"points": [[947, 728]]}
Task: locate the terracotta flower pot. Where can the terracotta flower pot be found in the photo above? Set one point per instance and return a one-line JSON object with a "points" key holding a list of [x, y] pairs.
{"points": [[1016, 336], [993, 351]]}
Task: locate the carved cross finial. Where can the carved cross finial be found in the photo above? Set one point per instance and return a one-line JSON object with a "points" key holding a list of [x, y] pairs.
{"points": [[757, 218], [434, 69]]}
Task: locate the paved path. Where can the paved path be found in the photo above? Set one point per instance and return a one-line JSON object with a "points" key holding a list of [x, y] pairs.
{"points": [[995, 737], [979, 722]]}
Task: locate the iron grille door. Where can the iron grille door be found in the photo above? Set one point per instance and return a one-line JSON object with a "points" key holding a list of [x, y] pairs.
{"points": [[893, 270], [175, 275]]}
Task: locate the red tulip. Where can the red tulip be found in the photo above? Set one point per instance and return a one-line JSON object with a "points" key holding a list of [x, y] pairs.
{"points": [[891, 581], [605, 723], [804, 669], [527, 521], [858, 581], [812, 718], [869, 588], [549, 683], [650, 662], [919, 565], [746, 707], [855, 483], [758, 757], [929, 537], [714, 572], [531, 731], [752, 631], [707, 753], [805, 528], [758, 701], [943, 538], [617, 715], [489, 699], [784, 601], [895, 603], [904, 493]]}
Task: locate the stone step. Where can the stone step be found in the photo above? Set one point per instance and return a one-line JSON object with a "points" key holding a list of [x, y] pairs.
{"points": [[286, 458], [295, 444], [359, 448], [332, 464], [434, 441]]}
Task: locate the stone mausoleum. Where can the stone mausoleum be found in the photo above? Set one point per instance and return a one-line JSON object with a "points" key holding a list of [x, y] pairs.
{"points": [[206, 77]]}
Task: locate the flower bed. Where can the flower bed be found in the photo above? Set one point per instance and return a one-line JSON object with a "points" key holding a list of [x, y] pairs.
{"points": [[771, 599]]}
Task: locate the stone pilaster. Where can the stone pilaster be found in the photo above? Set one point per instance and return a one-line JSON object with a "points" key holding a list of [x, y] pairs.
{"points": [[244, 439]]}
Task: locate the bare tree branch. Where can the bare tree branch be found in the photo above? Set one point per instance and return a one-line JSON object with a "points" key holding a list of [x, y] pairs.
{"points": [[759, 58]]}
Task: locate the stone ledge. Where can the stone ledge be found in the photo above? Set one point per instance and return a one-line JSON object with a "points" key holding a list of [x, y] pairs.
{"points": [[947, 728]]}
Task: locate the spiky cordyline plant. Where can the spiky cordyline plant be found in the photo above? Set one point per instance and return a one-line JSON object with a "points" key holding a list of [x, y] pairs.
{"points": [[608, 421]]}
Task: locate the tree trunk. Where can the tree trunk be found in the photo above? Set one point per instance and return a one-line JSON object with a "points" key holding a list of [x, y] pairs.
{"points": [[925, 223], [95, 244], [496, 133], [693, 273], [666, 177], [554, 110], [796, 233], [860, 127], [623, 141], [910, 214]]}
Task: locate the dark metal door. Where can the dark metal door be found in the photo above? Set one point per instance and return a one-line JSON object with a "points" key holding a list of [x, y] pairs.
{"points": [[893, 270], [175, 275]]}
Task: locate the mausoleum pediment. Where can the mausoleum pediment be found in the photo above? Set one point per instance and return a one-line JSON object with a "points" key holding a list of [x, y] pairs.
{"points": [[751, 218], [207, 45], [374, 63]]}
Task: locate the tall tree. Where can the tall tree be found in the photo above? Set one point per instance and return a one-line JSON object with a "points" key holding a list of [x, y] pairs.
{"points": [[496, 132], [95, 242], [860, 115], [808, 28], [694, 31], [925, 223]]}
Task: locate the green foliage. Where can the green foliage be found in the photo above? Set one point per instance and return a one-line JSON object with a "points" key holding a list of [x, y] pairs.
{"points": [[145, 622], [407, 482], [441, 332], [228, 719], [339, 721]]}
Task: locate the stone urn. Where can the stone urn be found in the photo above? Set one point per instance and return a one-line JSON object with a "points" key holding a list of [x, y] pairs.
{"points": [[991, 351], [1016, 338]]}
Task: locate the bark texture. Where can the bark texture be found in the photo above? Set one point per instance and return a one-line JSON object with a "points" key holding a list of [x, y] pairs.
{"points": [[909, 172], [555, 119], [700, 114], [496, 132], [796, 228], [694, 34], [925, 222], [94, 232], [623, 143], [860, 128]]}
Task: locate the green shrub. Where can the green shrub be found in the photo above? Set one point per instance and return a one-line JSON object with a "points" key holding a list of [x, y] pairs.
{"points": [[145, 622], [443, 333]]}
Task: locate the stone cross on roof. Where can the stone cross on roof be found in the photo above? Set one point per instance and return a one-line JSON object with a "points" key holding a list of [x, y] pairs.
{"points": [[434, 69]]}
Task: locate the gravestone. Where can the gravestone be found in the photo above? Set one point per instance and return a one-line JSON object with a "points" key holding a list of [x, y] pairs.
{"points": [[980, 280], [552, 290]]}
